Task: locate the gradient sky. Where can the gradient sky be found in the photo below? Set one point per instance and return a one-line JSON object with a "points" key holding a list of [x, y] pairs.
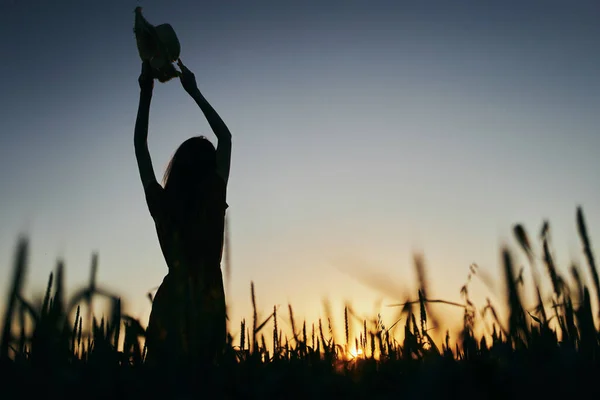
{"points": [[362, 131]]}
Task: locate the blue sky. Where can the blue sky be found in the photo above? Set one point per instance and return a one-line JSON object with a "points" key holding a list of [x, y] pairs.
{"points": [[362, 131]]}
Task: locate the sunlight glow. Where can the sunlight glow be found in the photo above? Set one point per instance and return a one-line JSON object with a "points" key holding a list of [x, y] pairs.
{"points": [[353, 353]]}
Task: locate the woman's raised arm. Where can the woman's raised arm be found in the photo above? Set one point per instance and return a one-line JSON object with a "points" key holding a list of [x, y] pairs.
{"points": [[140, 138], [188, 81]]}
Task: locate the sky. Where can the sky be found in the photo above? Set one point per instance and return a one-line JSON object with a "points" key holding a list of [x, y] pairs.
{"points": [[363, 132]]}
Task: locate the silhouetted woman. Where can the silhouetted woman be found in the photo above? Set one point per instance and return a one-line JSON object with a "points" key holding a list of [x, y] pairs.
{"points": [[187, 321]]}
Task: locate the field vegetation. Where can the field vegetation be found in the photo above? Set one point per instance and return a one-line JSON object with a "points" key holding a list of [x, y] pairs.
{"points": [[56, 347]]}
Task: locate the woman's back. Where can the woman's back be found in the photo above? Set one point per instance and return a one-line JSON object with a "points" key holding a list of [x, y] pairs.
{"points": [[191, 302], [190, 229]]}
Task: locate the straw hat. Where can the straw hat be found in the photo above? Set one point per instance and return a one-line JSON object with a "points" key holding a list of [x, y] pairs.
{"points": [[157, 44]]}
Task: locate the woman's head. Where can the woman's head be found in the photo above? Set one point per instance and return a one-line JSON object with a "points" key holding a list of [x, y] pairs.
{"points": [[191, 162]]}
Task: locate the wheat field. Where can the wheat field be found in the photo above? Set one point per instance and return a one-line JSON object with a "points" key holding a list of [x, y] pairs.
{"points": [[59, 348]]}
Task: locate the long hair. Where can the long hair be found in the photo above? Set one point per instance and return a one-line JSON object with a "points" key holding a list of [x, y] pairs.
{"points": [[185, 174]]}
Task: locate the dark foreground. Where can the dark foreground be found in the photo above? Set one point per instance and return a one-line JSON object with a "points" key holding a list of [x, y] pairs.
{"points": [[478, 378], [547, 351]]}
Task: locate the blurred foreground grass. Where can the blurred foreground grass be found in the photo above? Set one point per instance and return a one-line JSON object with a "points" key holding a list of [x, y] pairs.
{"points": [[549, 351]]}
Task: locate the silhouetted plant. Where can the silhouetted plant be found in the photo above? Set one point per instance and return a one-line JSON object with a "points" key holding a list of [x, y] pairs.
{"points": [[556, 339]]}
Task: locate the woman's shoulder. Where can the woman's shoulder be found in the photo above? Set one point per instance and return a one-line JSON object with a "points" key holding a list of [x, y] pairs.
{"points": [[155, 194], [219, 189]]}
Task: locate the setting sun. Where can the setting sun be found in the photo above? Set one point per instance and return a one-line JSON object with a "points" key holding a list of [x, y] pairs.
{"points": [[354, 353]]}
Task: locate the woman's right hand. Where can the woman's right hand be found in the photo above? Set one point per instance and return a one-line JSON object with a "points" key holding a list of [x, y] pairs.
{"points": [[146, 79], [188, 79]]}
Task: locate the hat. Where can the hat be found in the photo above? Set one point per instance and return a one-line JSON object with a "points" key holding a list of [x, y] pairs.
{"points": [[157, 44]]}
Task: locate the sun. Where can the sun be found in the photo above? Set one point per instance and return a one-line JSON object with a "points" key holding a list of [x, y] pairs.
{"points": [[354, 353]]}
